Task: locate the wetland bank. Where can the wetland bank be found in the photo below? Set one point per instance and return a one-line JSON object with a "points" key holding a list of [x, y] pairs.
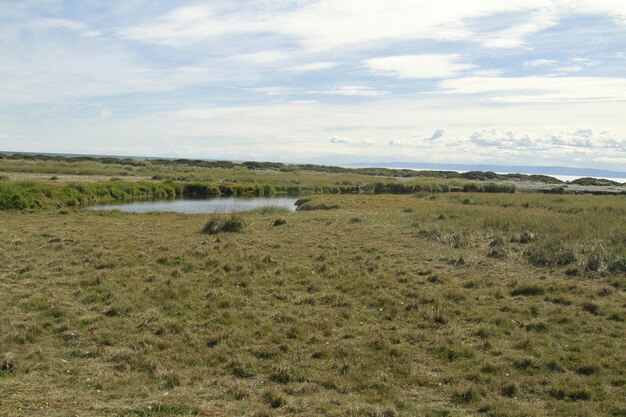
{"points": [[422, 303]]}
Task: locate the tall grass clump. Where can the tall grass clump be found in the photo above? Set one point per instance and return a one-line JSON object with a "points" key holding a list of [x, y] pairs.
{"points": [[552, 253], [223, 224], [270, 211]]}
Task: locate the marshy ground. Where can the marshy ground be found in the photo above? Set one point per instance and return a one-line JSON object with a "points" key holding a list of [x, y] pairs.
{"points": [[390, 305]]}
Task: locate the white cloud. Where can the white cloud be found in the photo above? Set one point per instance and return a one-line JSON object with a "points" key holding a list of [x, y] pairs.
{"points": [[347, 141], [539, 89], [437, 134], [312, 66], [570, 68], [351, 90], [515, 35], [418, 66], [189, 24], [338, 139], [394, 142], [524, 141], [542, 62], [275, 90], [488, 73], [509, 139], [64, 24], [263, 57], [327, 24]]}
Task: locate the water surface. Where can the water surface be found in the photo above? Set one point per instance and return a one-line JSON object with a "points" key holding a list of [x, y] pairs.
{"points": [[197, 206]]}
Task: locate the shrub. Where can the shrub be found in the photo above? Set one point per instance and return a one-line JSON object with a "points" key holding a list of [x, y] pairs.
{"points": [[592, 308], [220, 224], [528, 290], [279, 222], [239, 370], [509, 390], [570, 394], [323, 206], [271, 210], [497, 252], [618, 266], [8, 363], [281, 375], [550, 254], [273, 399], [301, 201], [467, 395], [524, 237], [200, 189]]}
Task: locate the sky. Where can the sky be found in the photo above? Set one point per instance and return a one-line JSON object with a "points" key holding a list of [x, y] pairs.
{"points": [[534, 82]]}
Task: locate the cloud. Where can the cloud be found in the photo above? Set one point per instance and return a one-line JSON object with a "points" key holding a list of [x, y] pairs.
{"points": [[488, 73], [337, 139], [351, 90], [524, 141], [312, 66], [64, 24], [276, 90], [348, 141], [328, 24], [587, 133], [570, 68], [542, 62], [189, 24], [394, 142], [263, 57], [539, 89], [437, 134], [510, 139], [418, 66], [515, 35]]}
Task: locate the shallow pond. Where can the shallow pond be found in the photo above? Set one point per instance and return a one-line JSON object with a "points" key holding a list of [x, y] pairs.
{"points": [[196, 205]]}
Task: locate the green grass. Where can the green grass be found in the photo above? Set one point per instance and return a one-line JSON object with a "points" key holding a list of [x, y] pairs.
{"points": [[184, 169], [224, 224], [401, 313]]}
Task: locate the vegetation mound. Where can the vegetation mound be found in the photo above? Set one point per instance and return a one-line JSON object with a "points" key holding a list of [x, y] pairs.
{"points": [[223, 224]]}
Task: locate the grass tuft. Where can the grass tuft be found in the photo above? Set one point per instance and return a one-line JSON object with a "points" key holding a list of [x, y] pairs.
{"points": [[224, 224], [279, 222]]}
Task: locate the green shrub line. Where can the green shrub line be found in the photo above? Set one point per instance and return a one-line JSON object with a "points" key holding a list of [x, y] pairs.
{"points": [[91, 164], [21, 195]]}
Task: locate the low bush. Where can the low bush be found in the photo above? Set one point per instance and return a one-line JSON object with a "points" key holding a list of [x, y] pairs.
{"points": [[279, 222], [524, 237], [528, 290], [301, 201], [271, 210], [322, 206], [550, 254], [222, 224]]}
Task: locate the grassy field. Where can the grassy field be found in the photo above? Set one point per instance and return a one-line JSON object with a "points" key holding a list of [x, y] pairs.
{"points": [[389, 305]]}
